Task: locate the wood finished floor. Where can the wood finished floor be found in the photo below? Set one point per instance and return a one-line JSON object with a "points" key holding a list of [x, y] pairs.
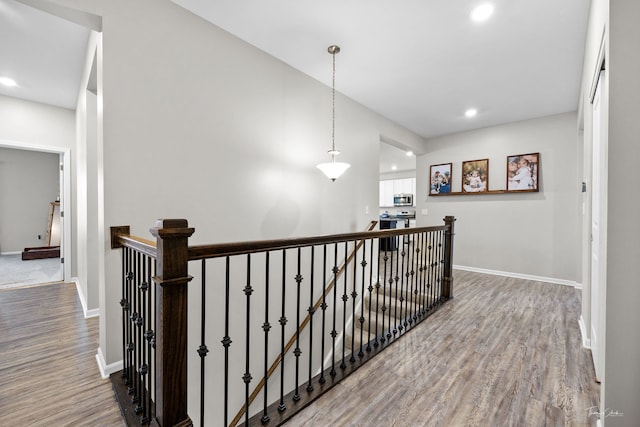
{"points": [[503, 352], [48, 370]]}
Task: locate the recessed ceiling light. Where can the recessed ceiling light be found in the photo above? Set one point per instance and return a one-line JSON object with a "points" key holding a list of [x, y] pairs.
{"points": [[482, 12], [394, 167], [409, 153], [471, 112], [8, 82]]}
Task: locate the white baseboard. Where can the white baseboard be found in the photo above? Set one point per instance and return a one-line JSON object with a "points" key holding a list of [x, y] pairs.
{"points": [[106, 370], [586, 342], [10, 253], [519, 276], [83, 300]]}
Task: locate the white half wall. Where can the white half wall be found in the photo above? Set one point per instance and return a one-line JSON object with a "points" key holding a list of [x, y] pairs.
{"points": [[533, 234]]}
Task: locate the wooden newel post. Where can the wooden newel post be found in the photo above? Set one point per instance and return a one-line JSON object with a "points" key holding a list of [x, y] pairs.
{"points": [[447, 290], [172, 280]]}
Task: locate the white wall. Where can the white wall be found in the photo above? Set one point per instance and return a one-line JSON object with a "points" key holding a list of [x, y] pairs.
{"points": [[28, 184], [31, 124], [200, 125], [87, 167], [621, 389], [527, 233]]}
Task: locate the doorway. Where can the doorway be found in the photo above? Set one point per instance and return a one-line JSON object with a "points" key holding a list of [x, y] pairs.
{"points": [[34, 178], [598, 258]]}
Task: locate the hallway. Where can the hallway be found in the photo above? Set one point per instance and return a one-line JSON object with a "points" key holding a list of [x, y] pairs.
{"points": [[504, 351], [48, 370]]}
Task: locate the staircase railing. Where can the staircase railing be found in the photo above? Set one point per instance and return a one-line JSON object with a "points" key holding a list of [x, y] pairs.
{"points": [[254, 290]]}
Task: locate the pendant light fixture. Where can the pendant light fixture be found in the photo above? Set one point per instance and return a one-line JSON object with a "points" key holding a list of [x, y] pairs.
{"points": [[333, 169]]}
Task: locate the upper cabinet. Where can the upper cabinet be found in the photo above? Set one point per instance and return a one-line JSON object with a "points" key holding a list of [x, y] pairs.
{"points": [[390, 187]]}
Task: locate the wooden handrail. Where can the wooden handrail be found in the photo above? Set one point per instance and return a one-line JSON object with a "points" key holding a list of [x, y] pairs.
{"points": [[199, 252], [121, 237], [302, 325]]}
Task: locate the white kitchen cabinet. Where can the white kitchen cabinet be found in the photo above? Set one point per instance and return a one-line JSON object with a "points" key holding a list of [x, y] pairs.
{"points": [[390, 187], [402, 186], [386, 193]]}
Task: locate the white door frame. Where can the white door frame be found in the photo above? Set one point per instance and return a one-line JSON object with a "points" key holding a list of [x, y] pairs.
{"points": [[65, 196], [598, 226]]}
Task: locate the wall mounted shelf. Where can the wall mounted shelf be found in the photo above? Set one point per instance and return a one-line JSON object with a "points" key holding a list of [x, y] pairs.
{"points": [[478, 193]]}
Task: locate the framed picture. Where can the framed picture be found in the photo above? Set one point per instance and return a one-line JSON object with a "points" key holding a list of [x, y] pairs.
{"points": [[475, 176], [440, 179], [522, 172]]}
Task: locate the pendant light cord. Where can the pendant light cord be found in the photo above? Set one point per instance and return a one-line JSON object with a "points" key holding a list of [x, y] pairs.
{"points": [[333, 105]]}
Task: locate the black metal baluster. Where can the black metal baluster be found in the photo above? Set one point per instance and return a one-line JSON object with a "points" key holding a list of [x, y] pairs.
{"points": [[430, 271], [226, 342], [370, 288], [411, 284], [363, 263], [131, 332], [402, 261], [144, 367], [297, 352], [354, 296], [413, 278], [283, 322], [123, 305], [417, 249], [152, 338], [138, 336], [266, 327], [392, 279], [420, 254], [436, 272], [323, 306], [345, 298], [202, 350], [380, 334], [384, 296], [434, 268], [441, 267], [248, 290], [334, 333], [149, 334], [129, 362], [408, 306], [311, 311]]}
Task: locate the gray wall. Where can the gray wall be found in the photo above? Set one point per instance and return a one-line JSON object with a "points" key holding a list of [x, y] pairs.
{"points": [[530, 234], [622, 346], [29, 182]]}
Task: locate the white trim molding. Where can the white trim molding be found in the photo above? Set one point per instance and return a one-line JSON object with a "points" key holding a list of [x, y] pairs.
{"points": [[10, 253], [106, 370], [586, 341], [519, 276], [83, 300]]}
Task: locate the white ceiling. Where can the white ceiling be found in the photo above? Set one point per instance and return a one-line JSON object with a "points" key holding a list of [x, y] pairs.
{"points": [[393, 159], [44, 54], [423, 63], [419, 63]]}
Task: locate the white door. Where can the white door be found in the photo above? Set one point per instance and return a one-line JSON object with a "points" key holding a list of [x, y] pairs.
{"points": [[598, 228]]}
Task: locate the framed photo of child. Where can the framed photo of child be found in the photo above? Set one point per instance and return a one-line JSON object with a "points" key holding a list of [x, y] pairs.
{"points": [[475, 176], [440, 179], [522, 172]]}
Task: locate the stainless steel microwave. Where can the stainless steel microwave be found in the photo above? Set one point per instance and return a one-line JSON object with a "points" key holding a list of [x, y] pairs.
{"points": [[403, 199]]}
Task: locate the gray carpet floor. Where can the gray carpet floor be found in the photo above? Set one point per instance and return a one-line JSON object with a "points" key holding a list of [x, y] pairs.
{"points": [[15, 273]]}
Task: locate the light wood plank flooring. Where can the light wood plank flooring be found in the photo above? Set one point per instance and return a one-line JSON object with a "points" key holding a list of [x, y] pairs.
{"points": [[48, 370], [503, 352]]}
